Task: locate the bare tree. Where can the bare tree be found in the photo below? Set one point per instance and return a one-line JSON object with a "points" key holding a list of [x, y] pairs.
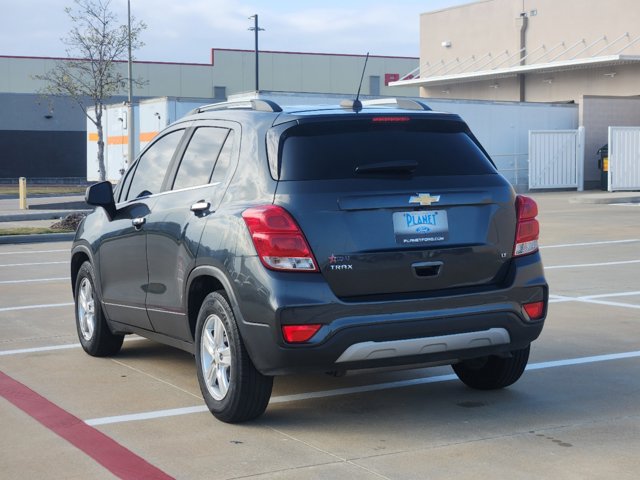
{"points": [[91, 75]]}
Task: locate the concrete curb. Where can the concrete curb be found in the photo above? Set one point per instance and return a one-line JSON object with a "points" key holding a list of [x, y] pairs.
{"points": [[46, 215], [37, 238], [605, 200]]}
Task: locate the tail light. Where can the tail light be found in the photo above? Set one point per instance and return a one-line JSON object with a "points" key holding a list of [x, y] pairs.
{"points": [[278, 239], [527, 228]]}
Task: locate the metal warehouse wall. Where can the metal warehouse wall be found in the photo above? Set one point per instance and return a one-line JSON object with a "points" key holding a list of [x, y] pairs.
{"points": [[41, 137], [233, 71], [310, 72]]}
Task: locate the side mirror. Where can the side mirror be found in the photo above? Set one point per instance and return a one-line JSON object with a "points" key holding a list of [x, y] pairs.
{"points": [[101, 195]]}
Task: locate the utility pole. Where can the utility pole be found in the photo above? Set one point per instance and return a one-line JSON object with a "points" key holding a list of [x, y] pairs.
{"points": [[256, 29], [131, 124]]}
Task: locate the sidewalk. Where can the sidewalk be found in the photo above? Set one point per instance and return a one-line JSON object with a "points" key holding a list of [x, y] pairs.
{"points": [[43, 211], [600, 197], [42, 208]]}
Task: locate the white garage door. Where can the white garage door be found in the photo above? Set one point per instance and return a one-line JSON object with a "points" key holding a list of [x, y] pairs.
{"points": [[624, 158], [555, 158]]}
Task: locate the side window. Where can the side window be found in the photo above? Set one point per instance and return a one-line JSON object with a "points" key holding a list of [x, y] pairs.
{"points": [[152, 166], [200, 157], [224, 161]]}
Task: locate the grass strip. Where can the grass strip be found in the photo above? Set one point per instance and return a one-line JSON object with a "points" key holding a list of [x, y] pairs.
{"points": [[31, 231], [42, 189]]}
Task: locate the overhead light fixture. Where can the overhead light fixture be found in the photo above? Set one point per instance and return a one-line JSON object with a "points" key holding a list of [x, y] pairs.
{"points": [[494, 85], [609, 74], [446, 91], [446, 43], [548, 81]]}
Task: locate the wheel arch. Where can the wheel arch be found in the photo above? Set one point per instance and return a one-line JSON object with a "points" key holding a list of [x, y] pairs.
{"points": [[202, 281], [79, 255]]}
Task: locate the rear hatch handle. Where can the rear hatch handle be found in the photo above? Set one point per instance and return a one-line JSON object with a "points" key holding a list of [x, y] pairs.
{"points": [[426, 269]]}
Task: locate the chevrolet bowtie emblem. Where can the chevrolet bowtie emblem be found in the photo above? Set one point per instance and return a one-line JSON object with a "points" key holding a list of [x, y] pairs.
{"points": [[424, 199]]}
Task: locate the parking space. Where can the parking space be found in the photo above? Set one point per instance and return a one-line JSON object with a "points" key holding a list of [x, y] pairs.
{"points": [[574, 413]]}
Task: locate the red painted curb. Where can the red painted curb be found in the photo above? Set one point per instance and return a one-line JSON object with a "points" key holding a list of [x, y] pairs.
{"points": [[107, 452]]}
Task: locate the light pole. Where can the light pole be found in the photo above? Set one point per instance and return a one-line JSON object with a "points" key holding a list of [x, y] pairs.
{"points": [[131, 124], [256, 29]]}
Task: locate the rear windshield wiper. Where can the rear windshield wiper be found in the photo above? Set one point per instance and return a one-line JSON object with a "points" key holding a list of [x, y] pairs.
{"points": [[407, 166]]}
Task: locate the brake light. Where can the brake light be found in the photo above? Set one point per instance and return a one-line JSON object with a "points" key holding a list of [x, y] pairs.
{"points": [[527, 227], [299, 333], [390, 119], [278, 239], [534, 310]]}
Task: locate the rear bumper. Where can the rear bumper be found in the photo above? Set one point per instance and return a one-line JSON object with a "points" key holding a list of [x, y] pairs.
{"points": [[365, 334]]}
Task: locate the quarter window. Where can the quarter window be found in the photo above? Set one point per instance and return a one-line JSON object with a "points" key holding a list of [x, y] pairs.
{"points": [[152, 166], [224, 161]]}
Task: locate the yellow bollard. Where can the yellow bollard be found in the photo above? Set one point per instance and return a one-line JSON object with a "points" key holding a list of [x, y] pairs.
{"points": [[22, 193]]}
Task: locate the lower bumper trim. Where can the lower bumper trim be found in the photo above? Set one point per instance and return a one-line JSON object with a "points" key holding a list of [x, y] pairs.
{"points": [[425, 345]]}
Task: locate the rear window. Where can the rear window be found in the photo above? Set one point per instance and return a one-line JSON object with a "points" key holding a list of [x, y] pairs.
{"points": [[361, 149]]}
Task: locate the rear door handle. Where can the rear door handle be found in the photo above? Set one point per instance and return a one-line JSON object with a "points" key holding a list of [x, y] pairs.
{"points": [[200, 206], [138, 222]]}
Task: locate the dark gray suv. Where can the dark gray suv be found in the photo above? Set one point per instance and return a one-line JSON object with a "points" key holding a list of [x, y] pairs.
{"points": [[269, 241]]}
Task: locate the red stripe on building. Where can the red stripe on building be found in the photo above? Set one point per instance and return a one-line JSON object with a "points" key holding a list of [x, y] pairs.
{"points": [[107, 452]]}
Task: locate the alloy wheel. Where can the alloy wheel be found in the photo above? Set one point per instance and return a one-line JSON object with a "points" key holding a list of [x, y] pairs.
{"points": [[215, 355], [86, 309]]}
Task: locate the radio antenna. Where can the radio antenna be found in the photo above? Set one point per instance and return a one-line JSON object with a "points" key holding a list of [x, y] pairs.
{"points": [[356, 105]]}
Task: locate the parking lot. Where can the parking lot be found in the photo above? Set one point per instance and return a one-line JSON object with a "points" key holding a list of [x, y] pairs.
{"points": [[574, 414]]}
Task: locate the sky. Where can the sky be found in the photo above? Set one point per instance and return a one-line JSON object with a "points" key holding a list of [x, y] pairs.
{"points": [[186, 30]]}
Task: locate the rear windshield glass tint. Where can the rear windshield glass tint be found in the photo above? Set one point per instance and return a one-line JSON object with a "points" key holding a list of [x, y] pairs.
{"points": [[322, 151]]}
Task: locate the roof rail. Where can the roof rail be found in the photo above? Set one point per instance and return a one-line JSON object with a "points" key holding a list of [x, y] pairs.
{"points": [[404, 103], [259, 104]]}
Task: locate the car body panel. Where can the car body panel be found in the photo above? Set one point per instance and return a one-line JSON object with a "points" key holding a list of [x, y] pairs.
{"points": [[370, 287]]}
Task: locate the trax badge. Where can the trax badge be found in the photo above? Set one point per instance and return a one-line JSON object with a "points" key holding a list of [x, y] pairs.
{"points": [[337, 262], [424, 199]]}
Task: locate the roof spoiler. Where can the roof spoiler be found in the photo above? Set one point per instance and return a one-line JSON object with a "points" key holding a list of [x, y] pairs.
{"points": [[403, 103]]}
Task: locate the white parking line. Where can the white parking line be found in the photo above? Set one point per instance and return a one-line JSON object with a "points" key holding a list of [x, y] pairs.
{"points": [[19, 252], [610, 304], [596, 299], [32, 264], [49, 348], [29, 307], [588, 244], [607, 295], [585, 265], [351, 390], [172, 412], [561, 299], [34, 280]]}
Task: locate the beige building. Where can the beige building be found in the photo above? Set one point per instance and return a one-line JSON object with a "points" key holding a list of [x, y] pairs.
{"points": [[580, 51]]}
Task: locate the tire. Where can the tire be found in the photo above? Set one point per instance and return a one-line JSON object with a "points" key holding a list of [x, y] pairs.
{"points": [[492, 373], [231, 386], [94, 333]]}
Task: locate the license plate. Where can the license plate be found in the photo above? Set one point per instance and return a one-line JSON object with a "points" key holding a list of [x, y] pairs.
{"points": [[420, 227]]}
